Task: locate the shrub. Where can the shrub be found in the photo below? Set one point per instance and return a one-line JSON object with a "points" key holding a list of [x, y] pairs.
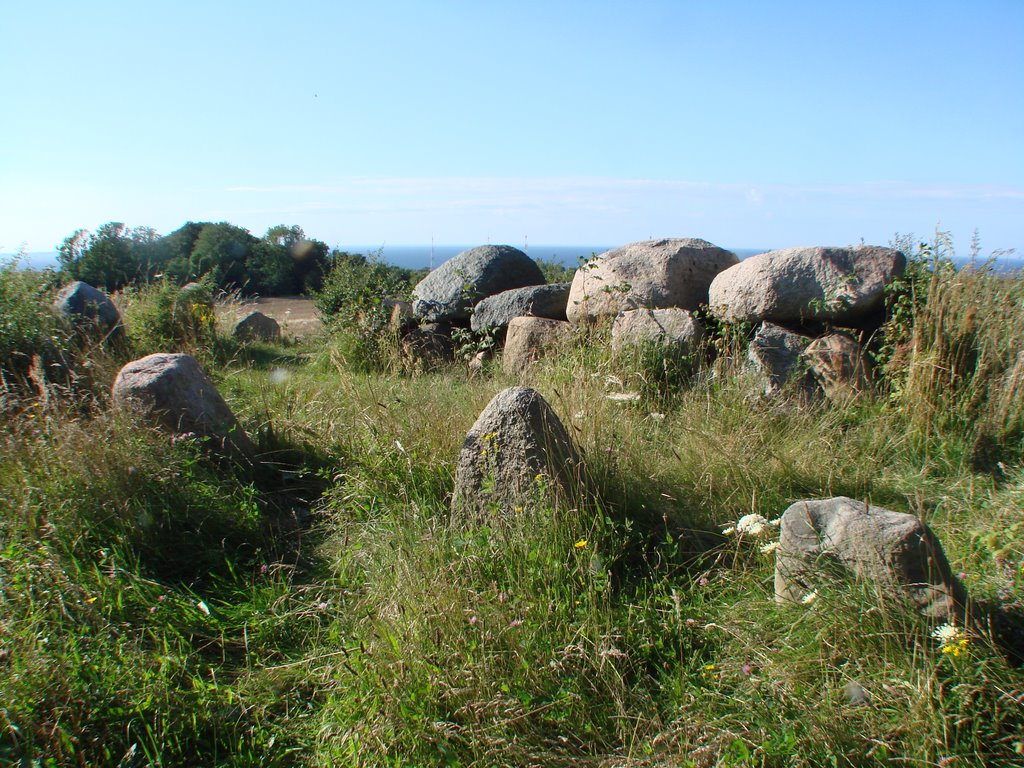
{"points": [[354, 308], [162, 317]]}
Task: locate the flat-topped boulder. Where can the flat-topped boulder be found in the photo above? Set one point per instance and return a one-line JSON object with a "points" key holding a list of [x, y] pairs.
{"points": [[89, 310], [450, 291], [795, 285], [893, 551], [655, 274], [495, 312], [516, 453], [173, 392]]}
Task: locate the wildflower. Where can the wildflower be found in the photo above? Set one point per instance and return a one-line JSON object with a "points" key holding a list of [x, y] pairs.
{"points": [[752, 525], [203, 607], [473, 620], [623, 397], [730, 530], [767, 549], [515, 623], [810, 597], [581, 544], [746, 669], [953, 641]]}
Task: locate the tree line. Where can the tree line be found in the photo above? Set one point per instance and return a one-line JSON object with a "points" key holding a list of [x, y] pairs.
{"points": [[283, 262]]}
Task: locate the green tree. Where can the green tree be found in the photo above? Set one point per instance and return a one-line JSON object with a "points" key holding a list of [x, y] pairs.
{"points": [[221, 251], [111, 257]]}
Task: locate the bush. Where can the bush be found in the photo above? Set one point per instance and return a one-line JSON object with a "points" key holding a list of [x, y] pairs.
{"points": [[354, 308], [162, 317]]}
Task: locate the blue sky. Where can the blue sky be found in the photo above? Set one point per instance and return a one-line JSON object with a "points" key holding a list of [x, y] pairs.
{"points": [[749, 124]]}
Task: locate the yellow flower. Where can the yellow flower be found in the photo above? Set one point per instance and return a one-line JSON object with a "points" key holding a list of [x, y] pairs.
{"points": [[581, 544]]}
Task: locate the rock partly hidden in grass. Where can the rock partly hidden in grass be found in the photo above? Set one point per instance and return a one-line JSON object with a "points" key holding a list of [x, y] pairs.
{"points": [[775, 357], [794, 285], [675, 329], [256, 326], [655, 273], [175, 394], [90, 311], [495, 312], [450, 291], [516, 454], [529, 339], [893, 551], [428, 347], [839, 366]]}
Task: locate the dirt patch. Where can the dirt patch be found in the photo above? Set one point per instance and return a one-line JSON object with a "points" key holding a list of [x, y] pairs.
{"points": [[295, 314]]}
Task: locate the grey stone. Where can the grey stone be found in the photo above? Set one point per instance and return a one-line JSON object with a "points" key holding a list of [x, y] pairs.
{"points": [[517, 453], [451, 290], [654, 274], [495, 312], [173, 392], [90, 310], [256, 326], [794, 285], [531, 338], [675, 329], [893, 551], [195, 295], [775, 356]]}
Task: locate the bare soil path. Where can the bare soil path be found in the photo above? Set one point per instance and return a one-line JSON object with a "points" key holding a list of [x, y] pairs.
{"points": [[295, 314]]}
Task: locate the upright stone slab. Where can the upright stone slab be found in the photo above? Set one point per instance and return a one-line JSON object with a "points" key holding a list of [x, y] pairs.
{"points": [[173, 392], [893, 551], [775, 357], [794, 285], [675, 329], [450, 291], [531, 338], [517, 453], [839, 366], [655, 274], [90, 311]]}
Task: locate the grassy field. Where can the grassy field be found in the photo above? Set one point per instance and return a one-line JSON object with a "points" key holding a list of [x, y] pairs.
{"points": [[161, 606]]}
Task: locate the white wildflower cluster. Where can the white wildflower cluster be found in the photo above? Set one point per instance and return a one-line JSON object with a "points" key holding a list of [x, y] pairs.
{"points": [[752, 525]]}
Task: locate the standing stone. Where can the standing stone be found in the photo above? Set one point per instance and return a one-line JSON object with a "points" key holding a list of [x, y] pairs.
{"points": [[256, 326], [794, 285], [173, 392], [775, 356], [495, 312], [893, 551], [531, 338], [91, 311], [517, 453], [450, 291], [675, 329], [654, 274], [838, 365]]}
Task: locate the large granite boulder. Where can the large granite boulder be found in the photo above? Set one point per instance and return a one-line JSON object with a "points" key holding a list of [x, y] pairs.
{"points": [[893, 551], [654, 274], [450, 291], [517, 453], [675, 329], [794, 285], [173, 392], [256, 326], [531, 338], [775, 357], [495, 312], [89, 310]]}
